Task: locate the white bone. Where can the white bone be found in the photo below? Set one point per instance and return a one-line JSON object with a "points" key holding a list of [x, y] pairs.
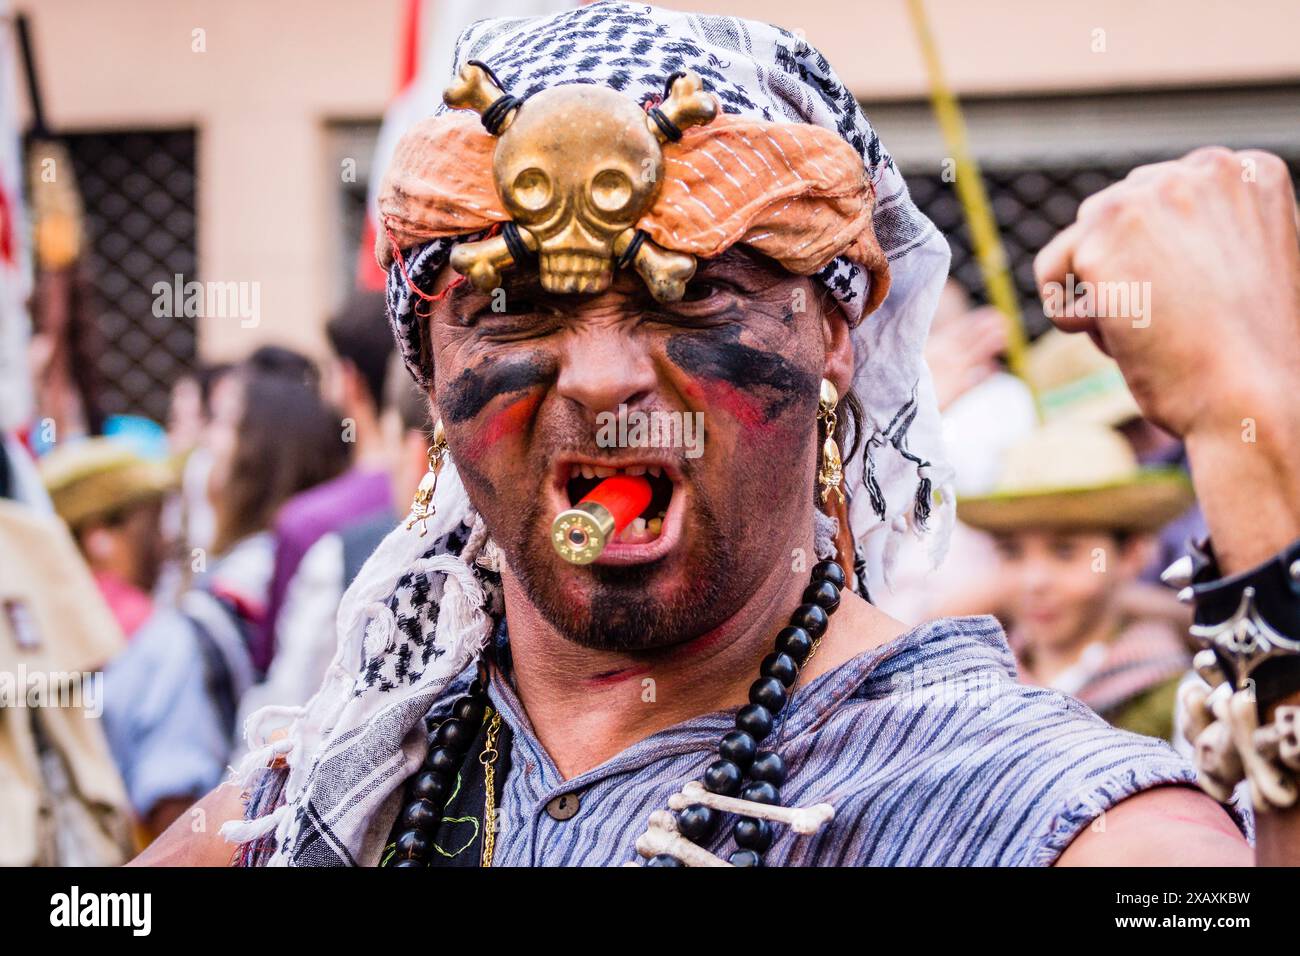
{"points": [[1218, 768], [1270, 786], [802, 820], [662, 837], [1193, 700], [1280, 740]]}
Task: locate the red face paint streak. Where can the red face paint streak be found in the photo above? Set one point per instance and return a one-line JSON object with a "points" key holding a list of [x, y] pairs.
{"points": [[681, 652], [742, 406], [511, 420], [616, 677], [701, 643]]}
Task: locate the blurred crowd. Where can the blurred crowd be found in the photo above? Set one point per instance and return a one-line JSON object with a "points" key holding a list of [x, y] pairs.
{"points": [[1070, 506], [217, 547]]}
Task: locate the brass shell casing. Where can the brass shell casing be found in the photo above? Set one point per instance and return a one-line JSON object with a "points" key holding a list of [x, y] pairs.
{"points": [[579, 534]]}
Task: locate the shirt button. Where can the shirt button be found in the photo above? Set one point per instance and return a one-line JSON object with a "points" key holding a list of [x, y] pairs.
{"points": [[563, 807]]}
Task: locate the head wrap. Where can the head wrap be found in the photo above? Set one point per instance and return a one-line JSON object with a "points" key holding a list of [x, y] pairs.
{"points": [[351, 747]]}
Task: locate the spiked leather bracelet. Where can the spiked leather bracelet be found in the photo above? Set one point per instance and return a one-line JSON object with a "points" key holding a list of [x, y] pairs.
{"points": [[1242, 721], [1250, 621]]}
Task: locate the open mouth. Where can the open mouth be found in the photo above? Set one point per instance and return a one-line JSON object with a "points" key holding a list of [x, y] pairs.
{"points": [[582, 477]]}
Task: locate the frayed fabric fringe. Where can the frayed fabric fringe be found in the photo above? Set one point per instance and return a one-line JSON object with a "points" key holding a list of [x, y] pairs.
{"points": [[366, 624]]}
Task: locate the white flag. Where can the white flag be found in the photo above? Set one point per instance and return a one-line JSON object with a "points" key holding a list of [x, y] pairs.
{"points": [[15, 256], [428, 42]]}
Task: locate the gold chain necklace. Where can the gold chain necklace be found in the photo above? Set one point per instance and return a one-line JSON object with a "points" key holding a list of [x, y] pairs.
{"points": [[488, 759]]}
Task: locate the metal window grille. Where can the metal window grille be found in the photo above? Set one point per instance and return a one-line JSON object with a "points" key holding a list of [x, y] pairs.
{"points": [[139, 192], [1031, 206]]}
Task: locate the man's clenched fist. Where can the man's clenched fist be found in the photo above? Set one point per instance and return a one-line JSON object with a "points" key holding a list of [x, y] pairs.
{"points": [[1204, 252]]}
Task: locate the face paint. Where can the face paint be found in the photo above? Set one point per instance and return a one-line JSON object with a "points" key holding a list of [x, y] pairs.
{"points": [[511, 420], [471, 391], [735, 349], [735, 375]]}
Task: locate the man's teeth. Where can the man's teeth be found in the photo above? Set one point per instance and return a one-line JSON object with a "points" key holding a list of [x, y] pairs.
{"points": [[602, 471], [641, 531]]}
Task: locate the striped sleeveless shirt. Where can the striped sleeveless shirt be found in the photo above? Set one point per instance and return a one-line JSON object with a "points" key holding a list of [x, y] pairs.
{"points": [[929, 750]]}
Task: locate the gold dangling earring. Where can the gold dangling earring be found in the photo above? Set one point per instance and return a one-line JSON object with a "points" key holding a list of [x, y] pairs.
{"points": [[422, 508], [831, 472]]}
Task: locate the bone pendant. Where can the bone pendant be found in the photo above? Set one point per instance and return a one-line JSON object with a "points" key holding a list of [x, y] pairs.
{"points": [[687, 105], [474, 90], [662, 837], [483, 262], [803, 820], [665, 272], [832, 470]]}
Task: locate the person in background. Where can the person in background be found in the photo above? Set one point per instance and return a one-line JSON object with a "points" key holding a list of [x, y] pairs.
{"points": [[188, 420], [20, 480], [111, 499], [1072, 518], [354, 383], [1075, 381], [985, 411], [62, 802], [307, 635], [171, 699]]}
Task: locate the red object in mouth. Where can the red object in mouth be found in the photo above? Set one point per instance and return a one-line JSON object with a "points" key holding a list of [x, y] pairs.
{"points": [[579, 534], [623, 496]]}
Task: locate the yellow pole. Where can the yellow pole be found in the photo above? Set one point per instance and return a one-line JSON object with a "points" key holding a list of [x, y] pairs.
{"points": [[974, 200]]}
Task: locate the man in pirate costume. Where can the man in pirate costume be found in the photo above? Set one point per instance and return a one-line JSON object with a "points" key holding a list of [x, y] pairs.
{"points": [[625, 206]]}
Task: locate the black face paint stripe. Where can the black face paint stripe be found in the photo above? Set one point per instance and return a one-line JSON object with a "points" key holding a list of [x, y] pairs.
{"points": [[470, 392], [719, 354]]}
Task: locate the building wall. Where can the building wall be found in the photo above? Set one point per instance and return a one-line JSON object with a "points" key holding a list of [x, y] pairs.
{"points": [[274, 79], [270, 78]]}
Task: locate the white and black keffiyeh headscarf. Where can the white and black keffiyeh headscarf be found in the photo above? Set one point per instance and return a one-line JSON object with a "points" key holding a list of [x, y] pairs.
{"points": [[419, 612]]}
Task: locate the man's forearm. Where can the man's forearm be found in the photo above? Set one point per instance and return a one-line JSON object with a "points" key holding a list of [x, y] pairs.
{"points": [[1247, 477], [1248, 486]]}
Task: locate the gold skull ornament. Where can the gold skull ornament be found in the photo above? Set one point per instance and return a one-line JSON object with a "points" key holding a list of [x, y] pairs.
{"points": [[575, 168]]}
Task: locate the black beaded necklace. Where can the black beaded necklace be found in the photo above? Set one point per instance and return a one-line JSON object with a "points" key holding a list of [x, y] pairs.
{"points": [[428, 791], [743, 769]]}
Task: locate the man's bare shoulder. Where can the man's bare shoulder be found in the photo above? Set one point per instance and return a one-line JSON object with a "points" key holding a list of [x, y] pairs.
{"points": [[1163, 826]]}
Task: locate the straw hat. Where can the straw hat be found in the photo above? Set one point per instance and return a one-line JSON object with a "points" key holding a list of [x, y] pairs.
{"points": [[93, 478], [1072, 476], [1075, 381]]}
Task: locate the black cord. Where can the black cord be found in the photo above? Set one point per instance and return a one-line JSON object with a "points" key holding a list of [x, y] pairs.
{"points": [[633, 247], [495, 115], [666, 126], [673, 78], [515, 243]]}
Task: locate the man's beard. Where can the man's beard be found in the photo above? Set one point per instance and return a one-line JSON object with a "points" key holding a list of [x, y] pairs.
{"points": [[621, 615]]}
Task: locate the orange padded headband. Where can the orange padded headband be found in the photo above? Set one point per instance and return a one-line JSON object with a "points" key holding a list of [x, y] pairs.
{"points": [[795, 192]]}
